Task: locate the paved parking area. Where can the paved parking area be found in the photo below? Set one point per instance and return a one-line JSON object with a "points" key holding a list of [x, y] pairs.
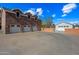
{"points": [[38, 43]]}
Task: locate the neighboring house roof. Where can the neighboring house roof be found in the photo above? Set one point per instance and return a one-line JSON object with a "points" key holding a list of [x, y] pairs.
{"points": [[64, 22]]}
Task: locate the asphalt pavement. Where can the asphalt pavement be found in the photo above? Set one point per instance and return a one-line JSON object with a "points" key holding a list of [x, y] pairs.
{"points": [[38, 43]]}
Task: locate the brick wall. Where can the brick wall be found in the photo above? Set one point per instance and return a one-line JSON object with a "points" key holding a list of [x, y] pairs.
{"points": [[72, 31], [47, 29], [0, 20], [22, 20], [10, 19]]}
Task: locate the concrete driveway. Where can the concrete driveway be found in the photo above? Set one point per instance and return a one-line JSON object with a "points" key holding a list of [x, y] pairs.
{"points": [[38, 43]]}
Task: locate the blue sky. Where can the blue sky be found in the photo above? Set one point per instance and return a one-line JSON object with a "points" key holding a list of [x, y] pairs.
{"points": [[68, 12]]}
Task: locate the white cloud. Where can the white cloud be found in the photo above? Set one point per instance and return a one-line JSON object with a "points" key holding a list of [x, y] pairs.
{"points": [[34, 11], [64, 15], [74, 22], [68, 8], [39, 11], [0, 8], [53, 15], [31, 10]]}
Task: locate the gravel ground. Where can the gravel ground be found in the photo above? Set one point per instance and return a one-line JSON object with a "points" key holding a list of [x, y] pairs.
{"points": [[38, 43]]}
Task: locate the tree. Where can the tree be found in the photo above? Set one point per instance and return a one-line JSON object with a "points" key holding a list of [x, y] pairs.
{"points": [[49, 22], [43, 24]]}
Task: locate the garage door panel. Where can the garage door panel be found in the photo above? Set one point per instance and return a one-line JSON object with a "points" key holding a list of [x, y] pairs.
{"points": [[27, 28], [15, 29], [60, 29], [34, 28]]}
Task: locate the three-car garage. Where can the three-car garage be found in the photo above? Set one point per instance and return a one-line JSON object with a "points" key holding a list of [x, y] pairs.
{"points": [[17, 28]]}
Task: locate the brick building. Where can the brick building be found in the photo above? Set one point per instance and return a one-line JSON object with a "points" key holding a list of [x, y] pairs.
{"points": [[15, 20]]}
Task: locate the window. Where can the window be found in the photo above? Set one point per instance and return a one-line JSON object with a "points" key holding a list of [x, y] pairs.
{"points": [[0, 27], [35, 18], [67, 26], [29, 16], [24, 25], [64, 26], [17, 14], [60, 26], [18, 25], [12, 25]]}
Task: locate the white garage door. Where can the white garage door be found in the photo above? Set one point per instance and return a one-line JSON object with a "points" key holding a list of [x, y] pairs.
{"points": [[60, 29], [27, 28], [15, 28], [35, 28]]}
